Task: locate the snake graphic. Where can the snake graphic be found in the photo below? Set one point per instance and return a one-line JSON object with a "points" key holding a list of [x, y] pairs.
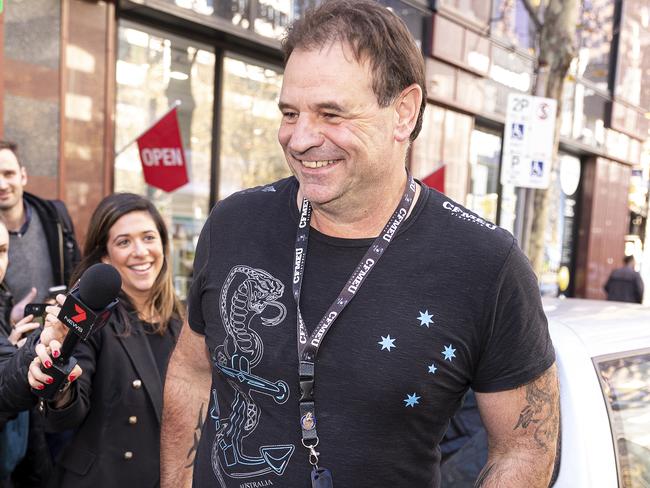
{"points": [[247, 297]]}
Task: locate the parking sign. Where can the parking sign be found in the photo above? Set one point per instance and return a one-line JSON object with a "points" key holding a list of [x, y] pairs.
{"points": [[528, 141]]}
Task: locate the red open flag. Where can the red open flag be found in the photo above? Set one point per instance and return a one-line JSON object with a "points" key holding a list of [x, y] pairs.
{"points": [[162, 155]]}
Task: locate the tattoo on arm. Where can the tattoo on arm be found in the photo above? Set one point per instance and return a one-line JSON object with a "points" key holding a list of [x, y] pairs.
{"points": [[541, 413], [485, 473], [197, 435]]}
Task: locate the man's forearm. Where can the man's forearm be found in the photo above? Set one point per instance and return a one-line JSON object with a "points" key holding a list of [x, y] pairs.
{"points": [[527, 459], [185, 406], [515, 472]]}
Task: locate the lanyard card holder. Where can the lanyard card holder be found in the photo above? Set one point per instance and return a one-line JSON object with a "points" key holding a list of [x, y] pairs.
{"points": [[321, 478]]}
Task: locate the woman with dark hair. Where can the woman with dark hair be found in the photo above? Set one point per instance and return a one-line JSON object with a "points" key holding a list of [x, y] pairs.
{"points": [[115, 405]]}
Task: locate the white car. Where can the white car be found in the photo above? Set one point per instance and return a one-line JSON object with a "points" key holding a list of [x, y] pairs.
{"points": [[603, 356]]}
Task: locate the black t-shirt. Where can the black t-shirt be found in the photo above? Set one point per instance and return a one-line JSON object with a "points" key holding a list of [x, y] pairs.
{"points": [[452, 303]]}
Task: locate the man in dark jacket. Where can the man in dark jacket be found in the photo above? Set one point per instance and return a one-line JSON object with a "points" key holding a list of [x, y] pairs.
{"points": [[42, 254], [625, 284], [43, 250]]}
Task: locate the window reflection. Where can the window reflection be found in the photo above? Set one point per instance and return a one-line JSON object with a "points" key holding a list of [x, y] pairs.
{"points": [[155, 70], [511, 22], [595, 38], [268, 18], [626, 386], [476, 10], [560, 227], [250, 153], [634, 53], [484, 159], [440, 154]]}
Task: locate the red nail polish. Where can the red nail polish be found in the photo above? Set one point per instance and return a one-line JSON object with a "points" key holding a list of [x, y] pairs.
{"points": [[41, 387], [49, 381], [48, 364], [71, 377], [56, 354]]}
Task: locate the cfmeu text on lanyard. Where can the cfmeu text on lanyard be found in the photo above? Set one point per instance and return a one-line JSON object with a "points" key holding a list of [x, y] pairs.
{"points": [[308, 345]]}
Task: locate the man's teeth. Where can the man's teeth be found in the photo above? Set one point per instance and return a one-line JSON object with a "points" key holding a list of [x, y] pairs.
{"points": [[317, 164]]}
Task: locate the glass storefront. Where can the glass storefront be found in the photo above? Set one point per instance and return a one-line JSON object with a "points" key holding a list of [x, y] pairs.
{"points": [[154, 71], [511, 22], [440, 153], [484, 160], [476, 10], [595, 35], [268, 18], [250, 152], [557, 271]]}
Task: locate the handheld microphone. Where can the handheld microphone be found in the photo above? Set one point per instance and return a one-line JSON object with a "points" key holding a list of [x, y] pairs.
{"points": [[86, 309]]}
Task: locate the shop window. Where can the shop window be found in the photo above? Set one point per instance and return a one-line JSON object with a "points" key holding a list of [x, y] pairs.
{"points": [[268, 18], [441, 79], [557, 269], [511, 69], [250, 153], [511, 22], [595, 35], [476, 10], [484, 159], [154, 71], [634, 53], [440, 154], [589, 116]]}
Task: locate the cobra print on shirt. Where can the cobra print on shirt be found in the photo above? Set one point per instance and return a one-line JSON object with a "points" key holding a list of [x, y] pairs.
{"points": [[249, 297]]}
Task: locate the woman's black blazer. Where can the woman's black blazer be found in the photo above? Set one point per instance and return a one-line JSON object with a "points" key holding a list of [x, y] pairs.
{"points": [[116, 411]]}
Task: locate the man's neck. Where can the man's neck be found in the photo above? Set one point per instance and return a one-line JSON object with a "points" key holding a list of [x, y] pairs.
{"points": [[14, 217], [365, 220]]}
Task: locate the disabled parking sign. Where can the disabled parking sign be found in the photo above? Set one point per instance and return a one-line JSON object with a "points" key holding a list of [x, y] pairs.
{"points": [[528, 141]]}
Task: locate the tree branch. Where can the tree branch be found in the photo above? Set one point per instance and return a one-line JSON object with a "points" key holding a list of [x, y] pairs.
{"points": [[532, 14]]}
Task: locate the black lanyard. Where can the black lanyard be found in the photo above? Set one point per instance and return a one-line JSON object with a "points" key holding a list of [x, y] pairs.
{"points": [[308, 345]]}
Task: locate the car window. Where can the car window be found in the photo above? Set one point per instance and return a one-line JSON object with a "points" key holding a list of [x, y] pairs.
{"points": [[625, 380]]}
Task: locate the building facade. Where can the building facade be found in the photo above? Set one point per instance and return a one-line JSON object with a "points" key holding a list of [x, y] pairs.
{"points": [[81, 79]]}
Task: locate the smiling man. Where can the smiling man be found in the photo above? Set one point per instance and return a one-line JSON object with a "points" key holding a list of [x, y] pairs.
{"points": [[338, 317], [43, 250]]}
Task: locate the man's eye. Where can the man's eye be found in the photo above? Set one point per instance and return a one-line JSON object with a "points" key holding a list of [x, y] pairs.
{"points": [[290, 115]]}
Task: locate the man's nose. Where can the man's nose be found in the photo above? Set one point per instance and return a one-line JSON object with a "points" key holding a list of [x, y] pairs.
{"points": [[305, 135]]}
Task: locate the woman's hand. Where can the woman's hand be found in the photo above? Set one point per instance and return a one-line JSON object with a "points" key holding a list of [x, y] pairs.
{"points": [[47, 351], [53, 329], [37, 375], [22, 328]]}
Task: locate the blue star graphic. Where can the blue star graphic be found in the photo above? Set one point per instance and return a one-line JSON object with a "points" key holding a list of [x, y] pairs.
{"points": [[386, 342], [432, 369], [425, 318], [411, 400], [449, 353]]}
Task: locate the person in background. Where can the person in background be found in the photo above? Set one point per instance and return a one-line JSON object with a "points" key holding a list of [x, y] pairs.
{"points": [[15, 425], [115, 405], [625, 284], [43, 250]]}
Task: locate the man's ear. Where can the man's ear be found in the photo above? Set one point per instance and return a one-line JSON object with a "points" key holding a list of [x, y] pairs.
{"points": [[23, 175], [407, 109]]}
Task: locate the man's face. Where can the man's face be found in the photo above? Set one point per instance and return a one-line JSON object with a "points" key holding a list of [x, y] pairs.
{"points": [[336, 138], [12, 180]]}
